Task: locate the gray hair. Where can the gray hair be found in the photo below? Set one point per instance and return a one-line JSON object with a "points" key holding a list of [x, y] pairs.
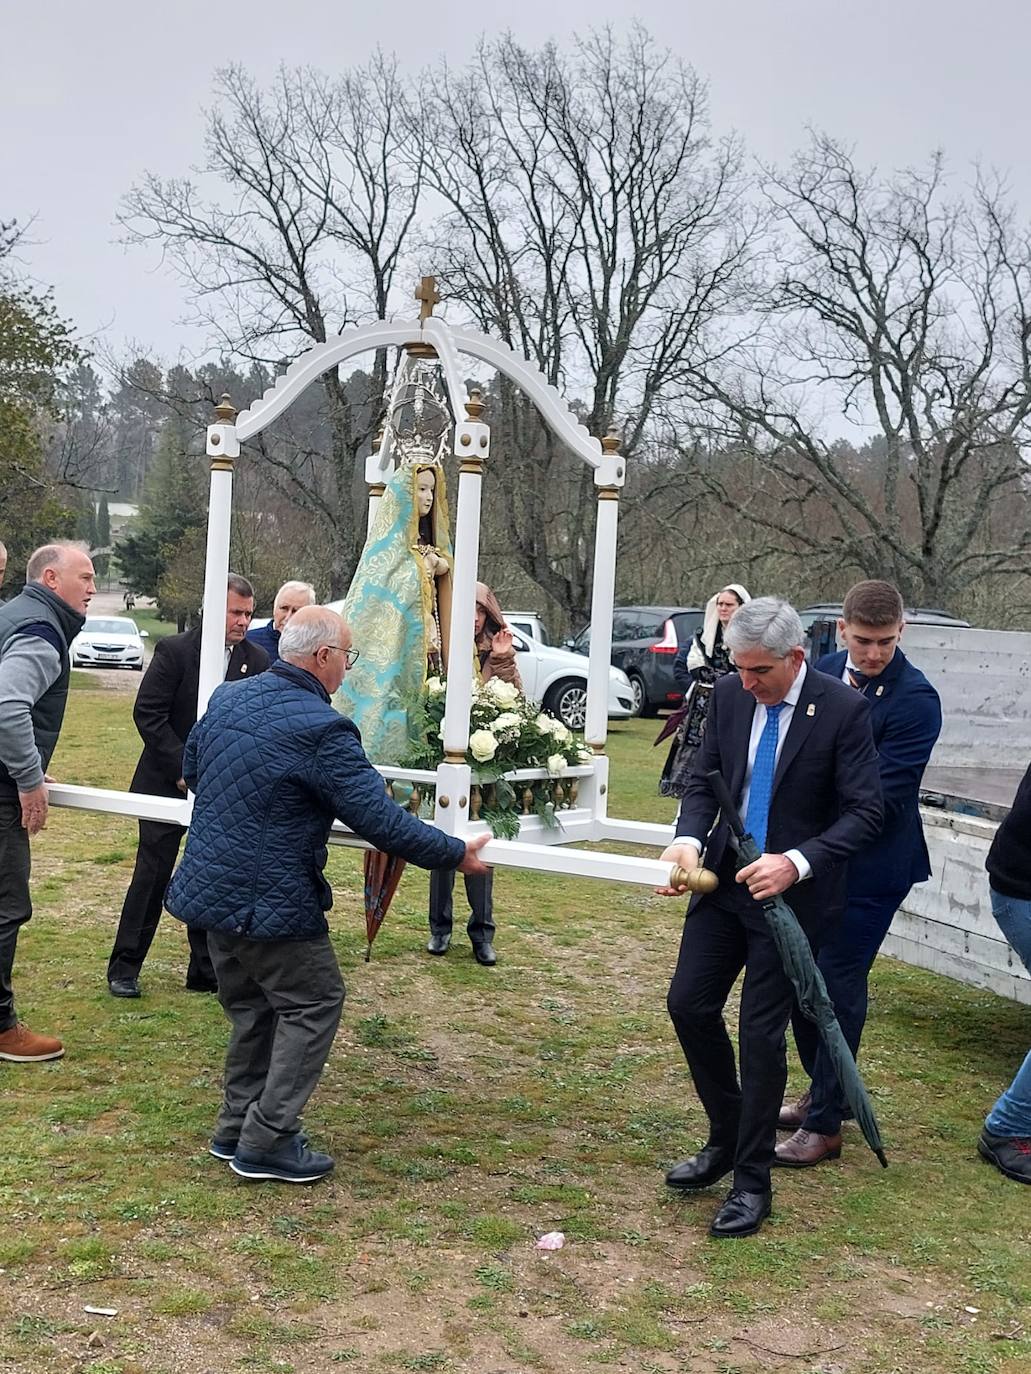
{"points": [[305, 587], [300, 640], [48, 556], [767, 623], [239, 585]]}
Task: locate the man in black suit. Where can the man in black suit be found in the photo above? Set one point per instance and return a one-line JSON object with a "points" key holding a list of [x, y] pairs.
{"points": [[906, 719], [165, 712], [796, 750]]}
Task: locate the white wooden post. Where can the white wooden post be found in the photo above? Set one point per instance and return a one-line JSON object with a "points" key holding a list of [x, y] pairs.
{"points": [[608, 478], [375, 473], [472, 445], [223, 448]]}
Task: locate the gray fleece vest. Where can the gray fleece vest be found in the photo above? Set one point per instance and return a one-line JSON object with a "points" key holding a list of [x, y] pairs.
{"points": [[33, 605]]}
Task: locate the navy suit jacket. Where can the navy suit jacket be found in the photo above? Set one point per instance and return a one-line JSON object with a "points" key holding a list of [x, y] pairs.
{"points": [[826, 797], [906, 716]]}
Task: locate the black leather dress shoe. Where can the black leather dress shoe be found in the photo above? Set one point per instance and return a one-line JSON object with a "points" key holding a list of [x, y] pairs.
{"points": [[194, 985], [742, 1214], [484, 952], [438, 944], [708, 1166], [123, 987]]}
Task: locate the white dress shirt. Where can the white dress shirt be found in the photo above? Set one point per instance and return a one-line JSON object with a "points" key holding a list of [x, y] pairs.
{"points": [[784, 719]]}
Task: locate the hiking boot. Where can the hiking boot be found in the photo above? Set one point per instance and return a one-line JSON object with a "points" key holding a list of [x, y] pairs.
{"points": [[1011, 1155], [22, 1046], [290, 1162]]}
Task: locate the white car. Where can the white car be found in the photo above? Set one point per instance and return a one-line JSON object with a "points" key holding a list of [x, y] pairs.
{"points": [[558, 680], [108, 642], [529, 624]]}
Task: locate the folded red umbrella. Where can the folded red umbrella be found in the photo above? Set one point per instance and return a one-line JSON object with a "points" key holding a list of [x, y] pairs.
{"points": [[382, 875]]}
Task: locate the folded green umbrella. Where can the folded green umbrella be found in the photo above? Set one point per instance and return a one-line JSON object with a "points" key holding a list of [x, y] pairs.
{"points": [[800, 965]]}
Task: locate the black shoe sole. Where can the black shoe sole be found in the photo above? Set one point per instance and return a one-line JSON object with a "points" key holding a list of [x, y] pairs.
{"points": [[128, 996], [701, 1186], [739, 1235]]}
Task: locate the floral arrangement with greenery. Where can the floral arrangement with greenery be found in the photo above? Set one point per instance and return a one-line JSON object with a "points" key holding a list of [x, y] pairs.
{"points": [[506, 732]]}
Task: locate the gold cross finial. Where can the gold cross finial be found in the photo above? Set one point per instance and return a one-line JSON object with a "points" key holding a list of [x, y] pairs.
{"points": [[427, 296]]}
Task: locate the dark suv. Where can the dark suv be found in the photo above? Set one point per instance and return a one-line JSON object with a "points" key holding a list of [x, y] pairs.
{"points": [[645, 640]]}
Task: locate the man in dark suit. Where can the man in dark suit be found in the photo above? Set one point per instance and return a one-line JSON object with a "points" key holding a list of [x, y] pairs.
{"points": [[906, 717], [798, 756], [165, 712]]}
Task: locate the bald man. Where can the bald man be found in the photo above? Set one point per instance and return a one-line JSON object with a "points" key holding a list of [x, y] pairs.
{"points": [[36, 631], [273, 764]]}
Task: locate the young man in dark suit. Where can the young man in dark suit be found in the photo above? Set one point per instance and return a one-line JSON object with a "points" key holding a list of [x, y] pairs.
{"points": [[796, 751], [906, 717], [165, 712]]}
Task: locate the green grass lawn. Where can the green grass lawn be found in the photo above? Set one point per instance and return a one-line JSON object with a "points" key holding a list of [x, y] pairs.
{"points": [[471, 1110]]}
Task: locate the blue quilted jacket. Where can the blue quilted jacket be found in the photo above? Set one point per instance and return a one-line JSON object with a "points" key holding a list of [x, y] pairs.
{"points": [[272, 764]]}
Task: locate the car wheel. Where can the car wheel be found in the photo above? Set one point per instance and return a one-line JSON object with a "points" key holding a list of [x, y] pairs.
{"points": [[640, 703], [568, 703]]}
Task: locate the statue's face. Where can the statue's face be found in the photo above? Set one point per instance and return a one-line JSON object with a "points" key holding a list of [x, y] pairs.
{"points": [[425, 484]]}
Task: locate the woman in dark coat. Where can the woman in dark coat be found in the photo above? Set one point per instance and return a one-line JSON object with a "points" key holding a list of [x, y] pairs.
{"points": [[697, 668]]}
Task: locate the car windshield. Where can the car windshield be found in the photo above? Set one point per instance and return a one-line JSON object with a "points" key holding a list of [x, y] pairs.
{"points": [[95, 626]]}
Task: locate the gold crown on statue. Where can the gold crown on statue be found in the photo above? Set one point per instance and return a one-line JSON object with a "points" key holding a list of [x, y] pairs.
{"points": [[418, 451]]}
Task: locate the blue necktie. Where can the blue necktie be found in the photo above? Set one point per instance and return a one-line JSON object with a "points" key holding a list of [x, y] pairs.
{"points": [[763, 768]]}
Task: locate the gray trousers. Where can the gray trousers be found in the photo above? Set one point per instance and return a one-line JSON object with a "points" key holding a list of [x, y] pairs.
{"points": [[15, 905], [479, 889], [283, 999]]}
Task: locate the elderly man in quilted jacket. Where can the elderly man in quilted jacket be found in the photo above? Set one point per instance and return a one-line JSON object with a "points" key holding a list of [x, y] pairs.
{"points": [[272, 765]]}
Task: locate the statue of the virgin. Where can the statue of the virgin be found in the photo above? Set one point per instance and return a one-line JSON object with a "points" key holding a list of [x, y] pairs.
{"points": [[399, 607]]}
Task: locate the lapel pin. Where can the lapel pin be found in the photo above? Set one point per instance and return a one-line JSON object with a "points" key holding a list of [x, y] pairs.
{"points": [[810, 710], [880, 691], [243, 668]]}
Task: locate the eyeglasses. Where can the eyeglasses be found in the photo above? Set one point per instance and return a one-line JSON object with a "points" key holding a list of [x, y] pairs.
{"points": [[351, 656]]}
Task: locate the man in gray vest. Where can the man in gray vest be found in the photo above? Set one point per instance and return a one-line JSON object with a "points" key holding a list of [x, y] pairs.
{"points": [[36, 630]]}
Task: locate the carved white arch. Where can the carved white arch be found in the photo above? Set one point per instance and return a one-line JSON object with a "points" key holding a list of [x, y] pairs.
{"points": [[448, 343]]}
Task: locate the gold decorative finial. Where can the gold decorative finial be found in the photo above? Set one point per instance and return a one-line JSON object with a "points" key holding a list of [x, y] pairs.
{"points": [[225, 410], [693, 879], [474, 407], [427, 295], [612, 440]]}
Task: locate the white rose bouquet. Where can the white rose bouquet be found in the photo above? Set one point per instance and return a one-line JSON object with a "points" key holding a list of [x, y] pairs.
{"points": [[506, 732]]}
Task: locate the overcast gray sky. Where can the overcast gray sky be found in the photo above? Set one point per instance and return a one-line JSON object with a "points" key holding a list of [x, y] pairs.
{"points": [[93, 94]]}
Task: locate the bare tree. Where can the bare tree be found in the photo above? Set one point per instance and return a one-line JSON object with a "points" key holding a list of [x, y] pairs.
{"points": [[890, 305], [591, 223], [293, 232]]}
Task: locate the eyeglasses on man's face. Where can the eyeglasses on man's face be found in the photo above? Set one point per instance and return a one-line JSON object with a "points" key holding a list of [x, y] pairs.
{"points": [[350, 655]]}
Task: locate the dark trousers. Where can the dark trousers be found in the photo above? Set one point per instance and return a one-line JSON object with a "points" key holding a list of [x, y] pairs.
{"points": [[15, 905], [283, 999], [846, 957], [479, 889], [141, 911], [723, 935]]}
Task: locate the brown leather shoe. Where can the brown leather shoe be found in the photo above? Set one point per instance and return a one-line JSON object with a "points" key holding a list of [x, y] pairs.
{"points": [[806, 1148], [792, 1114], [22, 1046]]}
